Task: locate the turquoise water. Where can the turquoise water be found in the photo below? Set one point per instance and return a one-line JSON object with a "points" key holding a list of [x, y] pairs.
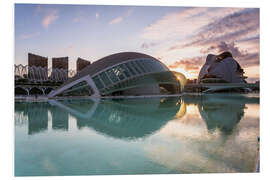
{"points": [[190, 134]]}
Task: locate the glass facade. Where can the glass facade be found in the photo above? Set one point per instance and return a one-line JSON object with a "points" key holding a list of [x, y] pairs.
{"points": [[125, 71], [98, 82], [138, 75]]}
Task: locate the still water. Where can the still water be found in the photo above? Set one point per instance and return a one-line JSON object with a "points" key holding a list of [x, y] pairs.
{"points": [[189, 134]]}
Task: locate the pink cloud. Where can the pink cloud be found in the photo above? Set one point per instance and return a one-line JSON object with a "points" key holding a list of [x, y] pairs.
{"points": [[185, 23], [51, 17], [188, 63], [116, 20], [97, 15]]}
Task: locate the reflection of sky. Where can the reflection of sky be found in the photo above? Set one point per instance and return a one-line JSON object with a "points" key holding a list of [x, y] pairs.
{"points": [[179, 37]]}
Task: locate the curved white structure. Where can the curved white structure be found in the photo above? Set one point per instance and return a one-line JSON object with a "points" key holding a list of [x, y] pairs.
{"points": [[226, 69], [126, 73]]}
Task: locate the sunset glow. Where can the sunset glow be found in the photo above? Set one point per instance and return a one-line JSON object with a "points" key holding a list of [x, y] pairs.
{"points": [[180, 37], [187, 73]]}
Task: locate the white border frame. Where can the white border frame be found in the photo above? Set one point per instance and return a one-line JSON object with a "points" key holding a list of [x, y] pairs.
{"points": [[7, 92]]}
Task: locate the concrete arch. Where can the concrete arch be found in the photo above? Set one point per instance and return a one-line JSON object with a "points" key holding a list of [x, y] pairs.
{"points": [[21, 91], [35, 91]]}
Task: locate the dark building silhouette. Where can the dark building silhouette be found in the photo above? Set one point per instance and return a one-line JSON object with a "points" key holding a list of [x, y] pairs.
{"points": [[82, 63], [37, 67], [36, 60], [59, 69], [60, 63]]}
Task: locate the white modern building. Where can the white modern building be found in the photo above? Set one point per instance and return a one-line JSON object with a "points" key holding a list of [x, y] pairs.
{"points": [[126, 73], [221, 68]]}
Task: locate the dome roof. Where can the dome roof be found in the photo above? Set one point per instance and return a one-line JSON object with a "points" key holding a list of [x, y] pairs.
{"points": [[114, 59], [106, 62]]}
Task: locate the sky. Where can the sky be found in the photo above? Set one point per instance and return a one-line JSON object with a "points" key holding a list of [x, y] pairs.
{"points": [[180, 37]]}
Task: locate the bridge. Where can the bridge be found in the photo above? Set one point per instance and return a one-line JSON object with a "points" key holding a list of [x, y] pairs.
{"points": [[27, 89]]}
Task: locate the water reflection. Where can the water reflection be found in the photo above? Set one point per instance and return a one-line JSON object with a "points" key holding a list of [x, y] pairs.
{"points": [[132, 118], [37, 116], [209, 133], [125, 119], [59, 119], [217, 134], [221, 111]]}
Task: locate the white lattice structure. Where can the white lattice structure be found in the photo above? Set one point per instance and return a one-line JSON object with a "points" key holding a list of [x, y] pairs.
{"points": [[41, 74]]}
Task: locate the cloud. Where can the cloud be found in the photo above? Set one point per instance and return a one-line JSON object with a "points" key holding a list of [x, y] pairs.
{"points": [[223, 46], [241, 24], [97, 15], [148, 45], [255, 39], [188, 63], [28, 36], [116, 20], [250, 59], [237, 32], [185, 23], [243, 56], [119, 19], [49, 18]]}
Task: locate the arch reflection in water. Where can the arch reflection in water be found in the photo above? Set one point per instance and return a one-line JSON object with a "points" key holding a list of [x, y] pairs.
{"points": [[123, 118], [220, 111]]}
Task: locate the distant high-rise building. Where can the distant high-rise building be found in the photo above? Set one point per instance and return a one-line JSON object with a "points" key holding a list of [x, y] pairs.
{"points": [[60, 63], [36, 60], [82, 63], [37, 67], [59, 69]]}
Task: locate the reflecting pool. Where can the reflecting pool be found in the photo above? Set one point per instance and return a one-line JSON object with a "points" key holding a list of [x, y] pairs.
{"points": [[189, 134]]}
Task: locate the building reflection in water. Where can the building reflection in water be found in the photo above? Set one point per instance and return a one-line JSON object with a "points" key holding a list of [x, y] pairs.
{"points": [[192, 134], [59, 119], [216, 134], [36, 125], [133, 118], [123, 118], [220, 111], [35, 115]]}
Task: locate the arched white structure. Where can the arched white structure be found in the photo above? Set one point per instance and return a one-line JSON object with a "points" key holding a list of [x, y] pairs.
{"points": [[121, 73]]}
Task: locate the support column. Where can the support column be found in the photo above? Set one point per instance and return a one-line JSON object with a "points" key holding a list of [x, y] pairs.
{"points": [[86, 78]]}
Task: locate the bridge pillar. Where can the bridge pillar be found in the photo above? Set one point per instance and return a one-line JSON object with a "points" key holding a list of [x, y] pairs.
{"points": [[27, 90], [43, 91]]}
